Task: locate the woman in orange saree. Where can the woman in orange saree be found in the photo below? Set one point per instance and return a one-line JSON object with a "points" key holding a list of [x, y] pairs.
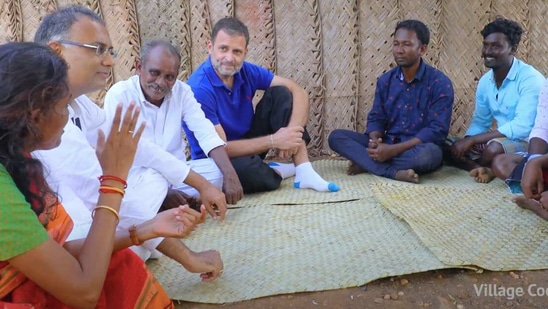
{"points": [[37, 268]]}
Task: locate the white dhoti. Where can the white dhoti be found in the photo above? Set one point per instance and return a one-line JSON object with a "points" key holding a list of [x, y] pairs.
{"points": [[208, 169]]}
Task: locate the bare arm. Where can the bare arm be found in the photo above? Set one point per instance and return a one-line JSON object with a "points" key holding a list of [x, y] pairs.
{"points": [[78, 281], [301, 106], [232, 187], [207, 263], [283, 139]]}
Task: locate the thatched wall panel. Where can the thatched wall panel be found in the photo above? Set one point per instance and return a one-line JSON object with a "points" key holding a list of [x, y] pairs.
{"points": [[259, 17], [538, 35], [335, 49], [219, 9], [11, 21], [460, 58], [375, 44], [340, 32], [33, 11], [121, 19], [200, 31], [299, 55]]}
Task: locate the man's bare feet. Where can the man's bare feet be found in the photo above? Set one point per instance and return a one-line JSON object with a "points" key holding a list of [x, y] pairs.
{"points": [[354, 169], [482, 174], [408, 176], [532, 205]]}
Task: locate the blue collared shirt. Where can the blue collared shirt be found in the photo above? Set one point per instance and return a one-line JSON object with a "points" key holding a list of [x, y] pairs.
{"points": [[231, 108], [513, 105], [421, 108]]}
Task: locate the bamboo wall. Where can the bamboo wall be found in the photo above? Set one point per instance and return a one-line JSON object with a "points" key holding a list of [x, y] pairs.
{"points": [[334, 48]]}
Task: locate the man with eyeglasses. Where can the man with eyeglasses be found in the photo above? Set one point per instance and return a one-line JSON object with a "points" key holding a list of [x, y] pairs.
{"points": [[72, 169]]}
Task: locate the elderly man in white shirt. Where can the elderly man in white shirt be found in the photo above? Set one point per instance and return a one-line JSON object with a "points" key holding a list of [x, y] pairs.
{"points": [[165, 102]]}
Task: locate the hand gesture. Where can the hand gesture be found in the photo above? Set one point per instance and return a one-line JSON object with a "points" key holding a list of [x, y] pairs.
{"points": [[232, 188], [288, 138], [460, 147], [214, 201], [117, 152], [208, 263], [532, 182], [373, 144], [177, 222], [383, 152]]}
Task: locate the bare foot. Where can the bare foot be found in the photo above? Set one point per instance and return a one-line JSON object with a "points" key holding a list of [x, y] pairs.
{"points": [[354, 169], [407, 175], [482, 174], [532, 205]]}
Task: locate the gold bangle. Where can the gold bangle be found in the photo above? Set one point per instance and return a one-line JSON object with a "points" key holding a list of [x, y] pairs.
{"points": [[112, 210], [133, 236]]}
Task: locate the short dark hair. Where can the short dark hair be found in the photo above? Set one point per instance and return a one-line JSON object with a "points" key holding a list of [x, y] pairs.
{"points": [[150, 45], [32, 77], [56, 25], [231, 26], [510, 28], [423, 34]]}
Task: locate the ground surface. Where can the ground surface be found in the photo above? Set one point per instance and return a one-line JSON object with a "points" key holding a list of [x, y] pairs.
{"points": [[444, 289]]}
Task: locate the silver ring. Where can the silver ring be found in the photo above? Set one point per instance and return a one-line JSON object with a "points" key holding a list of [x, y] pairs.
{"points": [[130, 132]]}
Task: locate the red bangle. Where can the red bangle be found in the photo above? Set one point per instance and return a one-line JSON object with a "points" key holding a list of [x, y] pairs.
{"points": [[109, 189], [115, 178]]}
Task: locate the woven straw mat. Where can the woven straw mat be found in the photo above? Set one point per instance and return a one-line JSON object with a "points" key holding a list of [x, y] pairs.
{"points": [[317, 241], [271, 250], [469, 226], [352, 188]]}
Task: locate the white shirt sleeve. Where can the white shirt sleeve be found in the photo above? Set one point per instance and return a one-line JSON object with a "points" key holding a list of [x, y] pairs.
{"points": [[148, 153], [195, 119]]}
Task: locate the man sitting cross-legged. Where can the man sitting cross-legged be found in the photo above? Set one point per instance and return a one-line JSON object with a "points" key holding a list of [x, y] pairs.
{"points": [[410, 116], [507, 93]]}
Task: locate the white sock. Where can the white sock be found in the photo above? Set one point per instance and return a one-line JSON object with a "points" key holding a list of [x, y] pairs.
{"points": [[285, 170], [307, 178]]}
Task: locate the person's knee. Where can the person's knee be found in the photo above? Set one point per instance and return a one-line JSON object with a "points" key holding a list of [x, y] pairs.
{"points": [[428, 158], [490, 152], [500, 166], [281, 93], [335, 138]]}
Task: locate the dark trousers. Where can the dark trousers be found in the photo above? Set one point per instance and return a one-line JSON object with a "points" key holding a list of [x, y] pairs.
{"points": [[423, 158], [272, 113]]}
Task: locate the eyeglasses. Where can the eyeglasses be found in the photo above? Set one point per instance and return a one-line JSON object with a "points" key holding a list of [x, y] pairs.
{"points": [[100, 50]]}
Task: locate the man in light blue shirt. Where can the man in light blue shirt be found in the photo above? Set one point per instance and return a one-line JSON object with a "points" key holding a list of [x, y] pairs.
{"points": [[507, 94]]}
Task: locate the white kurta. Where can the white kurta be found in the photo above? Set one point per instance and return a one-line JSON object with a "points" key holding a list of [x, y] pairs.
{"points": [[163, 135], [72, 170]]}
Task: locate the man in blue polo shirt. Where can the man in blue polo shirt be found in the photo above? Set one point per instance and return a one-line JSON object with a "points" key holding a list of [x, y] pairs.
{"points": [[225, 86], [410, 117]]}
